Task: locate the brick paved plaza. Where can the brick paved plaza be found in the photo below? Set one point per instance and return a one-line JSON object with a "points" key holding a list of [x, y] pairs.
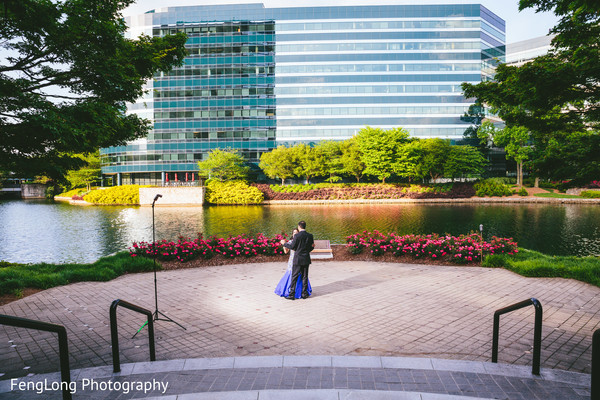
{"points": [[358, 308]]}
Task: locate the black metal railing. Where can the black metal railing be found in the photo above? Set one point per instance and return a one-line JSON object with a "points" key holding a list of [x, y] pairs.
{"points": [[114, 336], [595, 391], [63, 346], [537, 331]]}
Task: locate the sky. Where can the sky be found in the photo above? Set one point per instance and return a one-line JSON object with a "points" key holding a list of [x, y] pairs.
{"points": [[519, 25]]}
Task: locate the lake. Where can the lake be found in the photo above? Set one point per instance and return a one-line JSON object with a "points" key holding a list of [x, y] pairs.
{"points": [[46, 231]]}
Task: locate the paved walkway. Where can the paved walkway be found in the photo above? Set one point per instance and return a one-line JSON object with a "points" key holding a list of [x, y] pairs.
{"points": [[358, 308], [309, 377]]}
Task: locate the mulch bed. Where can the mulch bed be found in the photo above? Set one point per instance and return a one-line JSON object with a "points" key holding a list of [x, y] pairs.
{"points": [[7, 298]]}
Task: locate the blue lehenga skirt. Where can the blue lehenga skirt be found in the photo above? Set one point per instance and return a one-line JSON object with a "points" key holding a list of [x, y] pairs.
{"points": [[283, 287]]}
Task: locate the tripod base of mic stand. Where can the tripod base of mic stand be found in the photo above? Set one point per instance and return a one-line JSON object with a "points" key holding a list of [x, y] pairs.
{"points": [[165, 318], [155, 317]]}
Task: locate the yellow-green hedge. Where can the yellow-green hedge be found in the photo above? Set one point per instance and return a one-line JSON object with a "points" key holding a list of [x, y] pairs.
{"points": [[126, 194], [232, 192], [591, 194]]}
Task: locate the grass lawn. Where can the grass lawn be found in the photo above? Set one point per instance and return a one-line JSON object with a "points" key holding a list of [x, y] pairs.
{"points": [[558, 195], [16, 277], [534, 264]]}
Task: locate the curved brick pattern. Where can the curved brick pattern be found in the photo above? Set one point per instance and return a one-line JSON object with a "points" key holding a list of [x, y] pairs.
{"points": [[358, 308]]}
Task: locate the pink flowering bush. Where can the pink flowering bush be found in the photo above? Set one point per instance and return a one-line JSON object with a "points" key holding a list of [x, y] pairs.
{"points": [[186, 249], [459, 250]]}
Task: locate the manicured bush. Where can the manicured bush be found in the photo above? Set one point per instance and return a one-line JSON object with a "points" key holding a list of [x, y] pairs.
{"points": [[117, 195], [548, 185], [459, 250], [492, 187], [523, 192], [591, 194], [232, 192], [15, 277], [186, 249]]}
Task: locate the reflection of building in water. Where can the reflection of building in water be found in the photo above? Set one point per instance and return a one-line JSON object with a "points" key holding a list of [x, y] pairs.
{"points": [[258, 77]]}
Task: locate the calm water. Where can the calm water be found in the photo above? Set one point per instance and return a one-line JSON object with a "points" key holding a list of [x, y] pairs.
{"points": [[36, 231]]}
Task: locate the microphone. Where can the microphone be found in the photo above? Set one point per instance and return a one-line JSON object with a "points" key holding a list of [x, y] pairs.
{"points": [[157, 197]]}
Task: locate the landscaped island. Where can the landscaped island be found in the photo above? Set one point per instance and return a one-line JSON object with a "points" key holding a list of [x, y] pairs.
{"points": [[240, 192]]}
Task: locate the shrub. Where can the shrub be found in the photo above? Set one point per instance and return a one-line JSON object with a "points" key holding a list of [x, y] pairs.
{"points": [[548, 185], [232, 192], [186, 249], [458, 250], [523, 192], [591, 194], [125, 194], [492, 187]]}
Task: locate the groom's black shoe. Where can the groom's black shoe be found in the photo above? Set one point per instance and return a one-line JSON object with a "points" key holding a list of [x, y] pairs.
{"points": [[305, 296], [291, 298]]}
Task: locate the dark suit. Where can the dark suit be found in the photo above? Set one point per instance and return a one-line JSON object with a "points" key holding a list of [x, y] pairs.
{"points": [[302, 244]]}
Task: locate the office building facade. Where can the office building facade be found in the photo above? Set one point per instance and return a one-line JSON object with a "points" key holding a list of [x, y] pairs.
{"points": [[258, 77]]}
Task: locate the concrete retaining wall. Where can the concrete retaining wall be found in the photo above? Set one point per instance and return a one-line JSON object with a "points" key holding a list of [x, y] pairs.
{"points": [[173, 196], [33, 191]]}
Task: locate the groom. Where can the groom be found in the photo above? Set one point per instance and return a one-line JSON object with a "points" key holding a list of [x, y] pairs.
{"points": [[302, 244]]}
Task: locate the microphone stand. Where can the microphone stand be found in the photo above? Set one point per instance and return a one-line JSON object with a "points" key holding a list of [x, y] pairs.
{"points": [[155, 315]]}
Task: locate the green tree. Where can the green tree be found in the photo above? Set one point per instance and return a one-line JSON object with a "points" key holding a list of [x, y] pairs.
{"points": [[279, 163], [516, 143], [475, 116], [569, 74], [86, 175], [581, 149], [332, 158], [464, 162], [224, 165], [66, 78], [310, 161], [409, 163], [435, 151], [351, 159], [379, 150]]}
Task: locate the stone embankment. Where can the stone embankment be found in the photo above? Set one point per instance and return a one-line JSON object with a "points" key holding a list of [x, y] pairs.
{"points": [[471, 200]]}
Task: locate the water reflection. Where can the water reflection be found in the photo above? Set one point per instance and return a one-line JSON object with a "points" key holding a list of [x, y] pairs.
{"points": [[34, 231]]}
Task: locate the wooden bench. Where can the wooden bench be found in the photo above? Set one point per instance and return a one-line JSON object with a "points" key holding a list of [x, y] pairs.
{"points": [[322, 250]]}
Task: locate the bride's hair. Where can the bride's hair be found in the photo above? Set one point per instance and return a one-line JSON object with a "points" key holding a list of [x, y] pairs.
{"points": [[294, 232]]}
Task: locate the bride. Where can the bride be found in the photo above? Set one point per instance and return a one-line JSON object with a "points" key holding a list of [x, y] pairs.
{"points": [[283, 287]]}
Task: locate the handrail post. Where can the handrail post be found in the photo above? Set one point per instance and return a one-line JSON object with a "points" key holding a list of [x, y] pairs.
{"points": [[495, 334], [63, 345], [537, 331], [595, 390], [537, 337], [114, 335]]}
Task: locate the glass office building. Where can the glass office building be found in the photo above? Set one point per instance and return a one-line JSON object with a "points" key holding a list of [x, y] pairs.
{"points": [[258, 77]]}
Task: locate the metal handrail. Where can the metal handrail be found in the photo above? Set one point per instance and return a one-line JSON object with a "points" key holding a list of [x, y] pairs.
{"points": [[114, 337], [595, 390], [63, 346], [537, 331]]}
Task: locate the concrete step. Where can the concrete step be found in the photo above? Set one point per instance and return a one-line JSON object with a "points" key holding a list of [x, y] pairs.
{"points": [[306, 377]]}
